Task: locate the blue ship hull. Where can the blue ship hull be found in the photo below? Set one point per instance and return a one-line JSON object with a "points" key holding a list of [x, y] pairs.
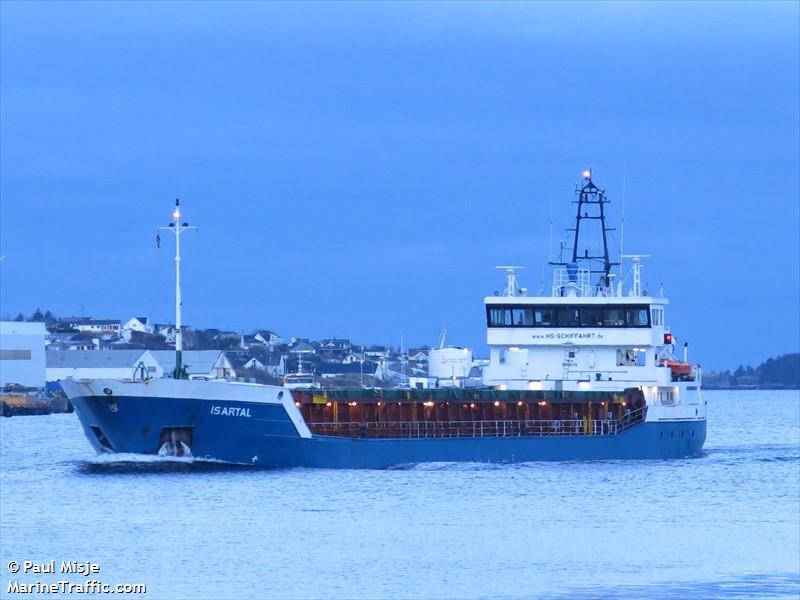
{"points": [[264, 435]]}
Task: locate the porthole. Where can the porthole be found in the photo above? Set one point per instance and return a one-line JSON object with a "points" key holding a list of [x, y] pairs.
{"points": [[672, 434], [681, 433], [280, 394], [661, 434]]}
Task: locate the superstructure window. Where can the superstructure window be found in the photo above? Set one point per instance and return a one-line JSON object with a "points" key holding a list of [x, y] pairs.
{"points": [[591, 316], [15, 354], [657, 315], [500, 317], [631, 357], [522, 317], [572, 316], [614, 317], [636, 317], [568, 316], [543, 317]]}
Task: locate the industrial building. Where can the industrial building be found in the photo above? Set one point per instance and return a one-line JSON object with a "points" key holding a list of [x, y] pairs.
{"points": [[22, 359]]}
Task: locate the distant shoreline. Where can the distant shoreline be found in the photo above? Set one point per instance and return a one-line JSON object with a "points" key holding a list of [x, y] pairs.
{"points": [[750, 387]]}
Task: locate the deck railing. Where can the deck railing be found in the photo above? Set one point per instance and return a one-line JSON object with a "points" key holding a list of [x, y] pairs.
{"points": [[479, 429]]}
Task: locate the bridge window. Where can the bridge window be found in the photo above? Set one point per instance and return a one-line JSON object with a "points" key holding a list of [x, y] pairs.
{"points": [[500, 317], [658, 317], [522, 317], [613, 317], [636, 317], [543, 317], [568, 316], [591, 316], [571, 316]]}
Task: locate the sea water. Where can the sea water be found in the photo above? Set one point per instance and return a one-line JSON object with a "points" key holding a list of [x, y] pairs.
{"points": [[722, 525]]}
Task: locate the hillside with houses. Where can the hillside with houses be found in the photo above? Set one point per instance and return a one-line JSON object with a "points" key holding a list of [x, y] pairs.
{"points": [[84, 346]]}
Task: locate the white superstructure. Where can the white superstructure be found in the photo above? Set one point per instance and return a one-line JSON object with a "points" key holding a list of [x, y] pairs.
{"points": [[590, 333]]}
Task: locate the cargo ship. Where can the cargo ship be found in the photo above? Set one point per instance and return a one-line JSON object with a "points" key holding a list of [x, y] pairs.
{"points": [[587, 371]]}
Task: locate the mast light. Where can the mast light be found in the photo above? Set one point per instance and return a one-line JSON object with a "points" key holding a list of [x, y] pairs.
{"points": [[587, 174]]}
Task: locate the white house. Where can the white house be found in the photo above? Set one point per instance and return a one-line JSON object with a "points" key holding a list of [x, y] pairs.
{"points": [[101, 364], [139, 324], [276, 364], [254, 363], [267, 337], [97, 325], [211, 364], [73, 341]]}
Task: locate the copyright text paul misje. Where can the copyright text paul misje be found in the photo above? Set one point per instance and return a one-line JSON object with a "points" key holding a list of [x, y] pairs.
{"points": [[71, 567]]}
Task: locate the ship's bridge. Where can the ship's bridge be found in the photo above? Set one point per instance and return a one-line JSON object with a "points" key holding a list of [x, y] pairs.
{"points": [[598, 320], [580, 333]]}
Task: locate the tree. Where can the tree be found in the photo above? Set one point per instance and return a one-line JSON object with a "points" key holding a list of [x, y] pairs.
{"points": [[19, 317], [781, 371], [38, 315], [49, 318]]}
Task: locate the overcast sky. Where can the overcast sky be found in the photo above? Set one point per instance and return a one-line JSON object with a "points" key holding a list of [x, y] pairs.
{"points": [[358, 170]]}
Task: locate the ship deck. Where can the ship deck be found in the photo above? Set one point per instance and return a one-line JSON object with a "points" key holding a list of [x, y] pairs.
{"points": [[455, 413]]}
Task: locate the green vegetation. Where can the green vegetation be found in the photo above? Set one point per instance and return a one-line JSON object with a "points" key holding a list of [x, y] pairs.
{"points": [[780, 372]]}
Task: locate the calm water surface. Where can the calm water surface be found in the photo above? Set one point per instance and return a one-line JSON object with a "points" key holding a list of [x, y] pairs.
{"points": [[724, 525]]}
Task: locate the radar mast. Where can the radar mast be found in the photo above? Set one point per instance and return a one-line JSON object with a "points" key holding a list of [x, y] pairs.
{"points": [[591, 203]]}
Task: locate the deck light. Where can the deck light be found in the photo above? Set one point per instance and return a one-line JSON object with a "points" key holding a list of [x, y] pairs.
{"points": [[519, 403], [543, 403], [297, 404], [497, 403], [328, 404], [667, 338], [472, 405], [428, 404]]}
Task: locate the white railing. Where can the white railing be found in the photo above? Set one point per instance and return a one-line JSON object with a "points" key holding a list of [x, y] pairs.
{"points": [[478, 429], [576, 283]]}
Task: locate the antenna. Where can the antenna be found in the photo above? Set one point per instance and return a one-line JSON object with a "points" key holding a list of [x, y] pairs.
{"points": [[443, 336], [177, 227], [550, 237], [622, 224], [549, 246], [403, 357]]}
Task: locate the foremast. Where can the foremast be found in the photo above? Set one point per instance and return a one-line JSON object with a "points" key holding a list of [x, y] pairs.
{"points": [[177, 227]]}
